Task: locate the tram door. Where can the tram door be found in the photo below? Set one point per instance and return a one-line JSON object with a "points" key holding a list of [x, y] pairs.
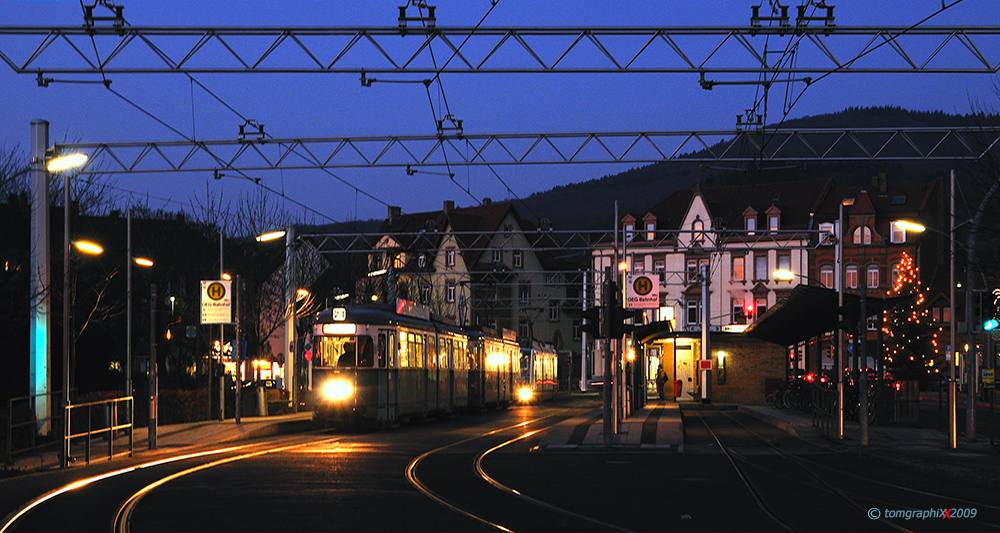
{"points": [[387, 375]]}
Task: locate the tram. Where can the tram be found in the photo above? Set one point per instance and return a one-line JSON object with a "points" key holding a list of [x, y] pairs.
{"points": [[375, 364], [538, 380]]}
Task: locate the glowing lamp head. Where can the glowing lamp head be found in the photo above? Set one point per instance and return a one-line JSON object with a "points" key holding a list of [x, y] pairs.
{"points": [[524, 394], [65, 162], [88, 247], [337, 389]]}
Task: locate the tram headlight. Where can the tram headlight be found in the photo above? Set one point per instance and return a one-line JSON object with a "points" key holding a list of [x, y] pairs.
{"points": [[337, 389], [524, 394]]}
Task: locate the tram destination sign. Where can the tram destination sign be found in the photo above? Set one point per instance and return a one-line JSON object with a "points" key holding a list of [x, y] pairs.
{"points": [[642, 291], [216, 302]]}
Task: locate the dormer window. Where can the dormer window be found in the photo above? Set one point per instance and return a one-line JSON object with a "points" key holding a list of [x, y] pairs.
{"points": [[650, 231], [629, 232], [773, 219], [422, 261], [750, 220]]}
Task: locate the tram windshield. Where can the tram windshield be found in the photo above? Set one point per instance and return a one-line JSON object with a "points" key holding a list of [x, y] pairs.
{"points": [[346, 352]]}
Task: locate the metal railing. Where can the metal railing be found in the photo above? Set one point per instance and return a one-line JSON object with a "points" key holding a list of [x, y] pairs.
{"points": [[113, 415], [26, 431], [824, 411]]}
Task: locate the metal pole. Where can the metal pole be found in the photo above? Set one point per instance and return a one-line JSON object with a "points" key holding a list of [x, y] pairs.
{"points": [[237, 352], [863, 351], [66, 323], [290, 290], [971, 359], [840, 331], [153, 384], [608, 418], [952, 410], [583, 339], [222, 342], [128, 327], [40, 357], [706, 354]]}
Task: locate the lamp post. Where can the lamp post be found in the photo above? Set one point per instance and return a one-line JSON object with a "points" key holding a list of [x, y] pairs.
{"points": [[145, 263], [953, 347], [289, 302]]}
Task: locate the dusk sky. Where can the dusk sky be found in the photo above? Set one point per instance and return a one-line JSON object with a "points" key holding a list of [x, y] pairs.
{"points": [[335, 105]]}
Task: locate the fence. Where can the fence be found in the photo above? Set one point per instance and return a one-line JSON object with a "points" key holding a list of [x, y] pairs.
{"points": [[112, 416], [824, 410], [26, 431]]}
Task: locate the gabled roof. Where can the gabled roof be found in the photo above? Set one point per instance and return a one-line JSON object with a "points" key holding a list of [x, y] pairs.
{"points": [[795, 199]]}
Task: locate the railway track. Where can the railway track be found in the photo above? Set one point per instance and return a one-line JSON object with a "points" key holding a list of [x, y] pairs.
{"points": [[798, 492]]}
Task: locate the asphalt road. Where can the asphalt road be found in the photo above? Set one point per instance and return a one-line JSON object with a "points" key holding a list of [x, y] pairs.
{"points": [[734, 474]]}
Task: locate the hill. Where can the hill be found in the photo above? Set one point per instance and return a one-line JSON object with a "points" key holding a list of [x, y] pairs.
{"points": [[590, 204]]}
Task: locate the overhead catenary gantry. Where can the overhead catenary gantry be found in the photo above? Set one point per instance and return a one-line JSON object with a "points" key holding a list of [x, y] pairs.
{"points": [[739, 52], [741, 146]]}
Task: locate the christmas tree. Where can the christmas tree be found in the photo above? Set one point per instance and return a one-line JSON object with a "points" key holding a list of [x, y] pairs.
{"points": [[909, 333]]}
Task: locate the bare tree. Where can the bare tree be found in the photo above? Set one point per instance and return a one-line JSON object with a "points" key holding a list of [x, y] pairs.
{"points": [[261, 265], [13, 179]]}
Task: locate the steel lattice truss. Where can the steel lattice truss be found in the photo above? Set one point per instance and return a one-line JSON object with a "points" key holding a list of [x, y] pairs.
{"points": [[730, 146], [121, 49], [551, 240]]}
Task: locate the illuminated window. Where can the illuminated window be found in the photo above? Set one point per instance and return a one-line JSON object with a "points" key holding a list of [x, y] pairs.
{"points": [[697, 231], [827, 234], [852, 277], [863, 235], [739, 269], [826, 276], [872, 279], [898, 234]]}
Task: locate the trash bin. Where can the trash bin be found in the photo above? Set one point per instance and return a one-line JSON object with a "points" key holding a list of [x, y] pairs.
{"points": [[678, 388]]}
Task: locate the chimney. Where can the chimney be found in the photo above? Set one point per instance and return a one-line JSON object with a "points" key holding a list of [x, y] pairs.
{"points": [[883, 184], [448, 206], [394, 212], [487, 202]]}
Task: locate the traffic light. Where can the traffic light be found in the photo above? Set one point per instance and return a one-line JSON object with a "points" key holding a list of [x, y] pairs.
{"points": [[991, 324], [593, 323]]}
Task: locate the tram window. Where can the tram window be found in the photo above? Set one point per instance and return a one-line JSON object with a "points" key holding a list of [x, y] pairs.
{"points": [[347, 352]]}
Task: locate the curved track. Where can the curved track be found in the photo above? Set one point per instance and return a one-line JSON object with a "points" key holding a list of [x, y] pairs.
{"points": [[509, 509]]}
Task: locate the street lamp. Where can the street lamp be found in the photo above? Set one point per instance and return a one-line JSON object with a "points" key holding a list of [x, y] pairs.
{"points": [[952, 394], [43, 160], [56, 165]]}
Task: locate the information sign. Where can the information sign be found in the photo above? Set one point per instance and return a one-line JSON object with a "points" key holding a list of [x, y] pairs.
{"points": [[216, 302], [642, 291]]}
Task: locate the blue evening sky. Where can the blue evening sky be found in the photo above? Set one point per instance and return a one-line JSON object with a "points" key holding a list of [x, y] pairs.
{"points": [[313, 105]]}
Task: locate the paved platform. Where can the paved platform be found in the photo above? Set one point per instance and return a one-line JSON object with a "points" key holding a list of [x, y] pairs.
{"points": [[657, 426], [169, 439]]}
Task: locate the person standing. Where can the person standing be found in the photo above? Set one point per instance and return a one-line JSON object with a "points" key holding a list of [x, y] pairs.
{"points": [[661, 380]]}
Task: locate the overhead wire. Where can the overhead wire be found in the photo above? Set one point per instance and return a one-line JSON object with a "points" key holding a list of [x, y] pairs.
{"points": [[447, 109], [162, 122]]}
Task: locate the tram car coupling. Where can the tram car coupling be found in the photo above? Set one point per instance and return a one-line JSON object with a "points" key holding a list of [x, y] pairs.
{"points": [[377, 364]]}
